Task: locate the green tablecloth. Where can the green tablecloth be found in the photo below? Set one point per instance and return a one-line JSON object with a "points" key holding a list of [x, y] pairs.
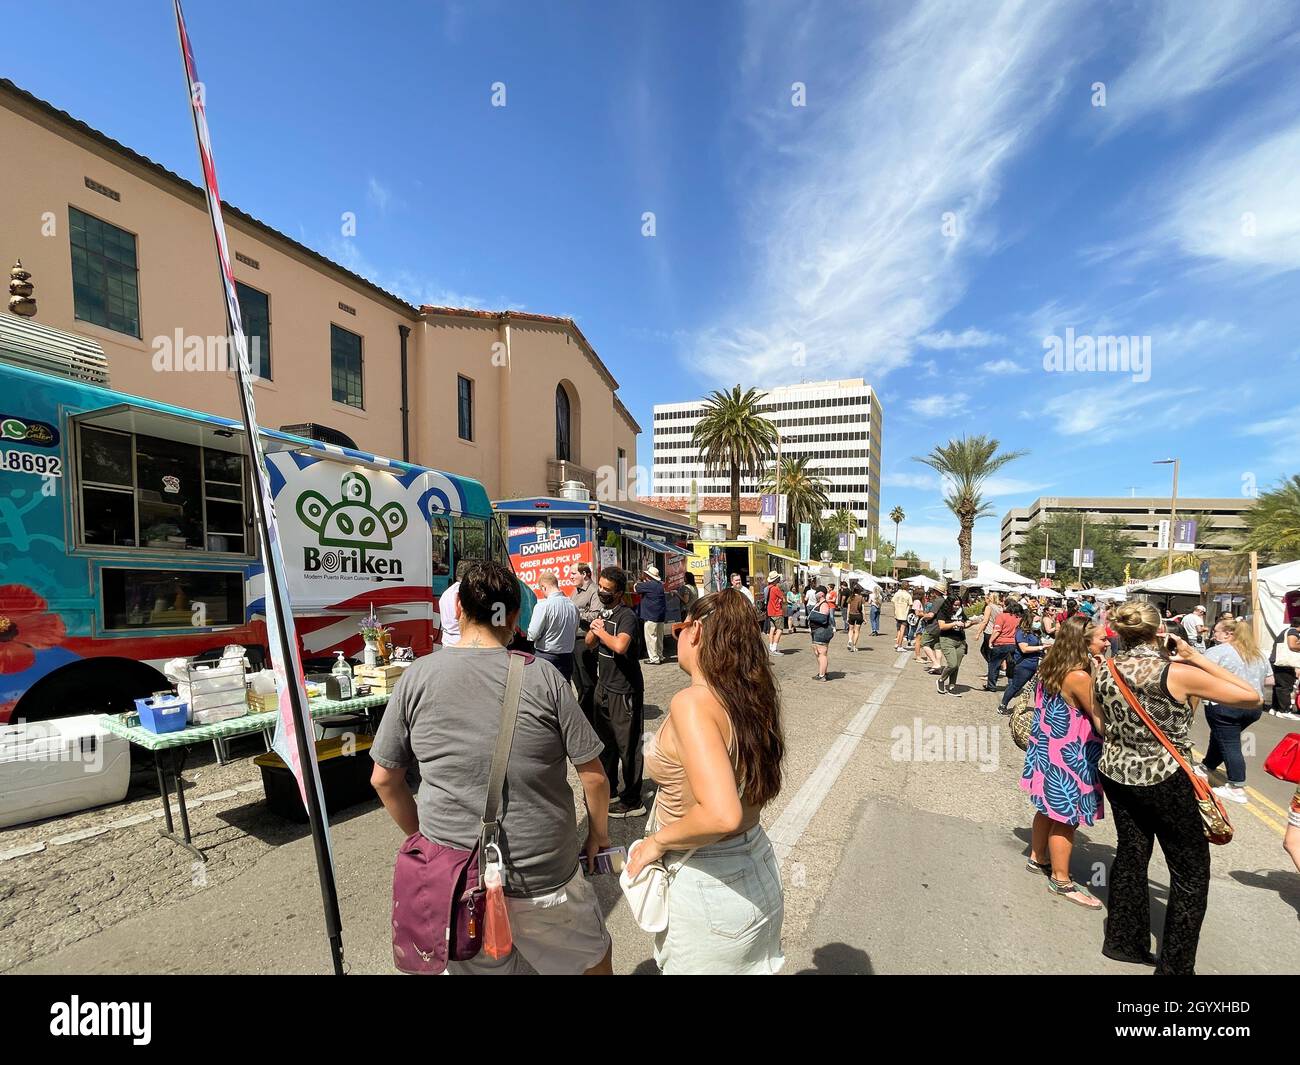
{"points": [[128, 725]]}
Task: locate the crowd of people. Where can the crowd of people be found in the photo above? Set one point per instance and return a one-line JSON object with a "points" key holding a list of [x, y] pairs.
{"points": [[1093, 678]]}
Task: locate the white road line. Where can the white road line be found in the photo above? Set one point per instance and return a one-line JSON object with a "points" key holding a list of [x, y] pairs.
{"points": [[900, 660], [798, 815]]}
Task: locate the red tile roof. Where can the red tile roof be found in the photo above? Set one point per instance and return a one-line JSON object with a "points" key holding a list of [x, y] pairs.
{"points": [[707, 504]]}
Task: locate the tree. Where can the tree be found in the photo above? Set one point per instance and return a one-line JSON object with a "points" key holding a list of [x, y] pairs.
{"points": [[733, 437], [1209, 540], [897, 516], [965, 466], [1057, 538], [1273, 523], [805, 491]]}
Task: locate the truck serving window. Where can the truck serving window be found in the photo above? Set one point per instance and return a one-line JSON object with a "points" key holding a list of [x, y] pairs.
{"points": [[147, 491], [171, 599]]}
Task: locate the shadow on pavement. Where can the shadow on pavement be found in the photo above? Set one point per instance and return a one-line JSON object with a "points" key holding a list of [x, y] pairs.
{"points": [[839, 959], [1285, 883]]}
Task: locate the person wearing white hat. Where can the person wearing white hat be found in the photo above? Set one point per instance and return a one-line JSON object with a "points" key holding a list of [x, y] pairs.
{"points": [[653, 611], [774, 612]]}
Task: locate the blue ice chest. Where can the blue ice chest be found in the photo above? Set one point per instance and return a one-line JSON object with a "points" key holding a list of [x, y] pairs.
{"points": [[163, 712]]}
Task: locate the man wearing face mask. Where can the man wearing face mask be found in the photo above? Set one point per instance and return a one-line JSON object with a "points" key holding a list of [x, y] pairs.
{"points": [[620, 693]]}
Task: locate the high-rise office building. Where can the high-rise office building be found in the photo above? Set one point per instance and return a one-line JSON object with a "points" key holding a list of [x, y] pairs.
{"points": [[836, 424]]}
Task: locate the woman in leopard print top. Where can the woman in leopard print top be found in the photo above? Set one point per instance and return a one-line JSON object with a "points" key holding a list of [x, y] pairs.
{"points": [[1151, 797]]}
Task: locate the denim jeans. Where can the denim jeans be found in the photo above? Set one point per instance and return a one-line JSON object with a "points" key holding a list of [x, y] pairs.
{"points": [[1025, 672], [875, 621], [1226, 726], [998, 653]]}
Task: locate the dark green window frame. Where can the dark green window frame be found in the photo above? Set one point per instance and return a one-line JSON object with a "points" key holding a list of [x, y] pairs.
{"points": [[105, 273], [255, 313], [346, 367]]}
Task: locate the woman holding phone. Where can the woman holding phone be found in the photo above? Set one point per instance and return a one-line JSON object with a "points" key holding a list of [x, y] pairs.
{"points": [[1150, 795], [717, 761]]}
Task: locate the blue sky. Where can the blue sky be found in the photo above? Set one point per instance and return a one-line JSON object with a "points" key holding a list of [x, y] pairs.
{"points": [[950, 196]]}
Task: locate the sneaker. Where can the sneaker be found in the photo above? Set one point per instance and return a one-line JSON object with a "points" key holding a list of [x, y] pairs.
{"points": [[621, 809], [990, 687], [938, 686], [1288, 716], [1200, 770], [1231, 794]]}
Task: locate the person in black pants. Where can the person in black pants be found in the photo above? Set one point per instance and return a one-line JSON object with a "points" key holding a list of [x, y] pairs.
{"points": [[619, 700], [586, 597], [1150, 790]]}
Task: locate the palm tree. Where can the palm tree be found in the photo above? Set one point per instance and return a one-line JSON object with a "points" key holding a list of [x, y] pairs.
{"points": [[842, 521], [897, 517], [965, 466], [1273, 523], [734, 437], [1207, 536], [805, 491]]}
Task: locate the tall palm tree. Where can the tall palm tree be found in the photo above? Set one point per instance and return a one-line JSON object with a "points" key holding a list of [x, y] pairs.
{"points": [[805, 491], [965, 466], [1273, 523], [897, 517], [732, 436]]}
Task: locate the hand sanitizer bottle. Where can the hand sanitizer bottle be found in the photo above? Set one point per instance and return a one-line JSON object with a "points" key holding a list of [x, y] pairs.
{"points": [[344, 675]]}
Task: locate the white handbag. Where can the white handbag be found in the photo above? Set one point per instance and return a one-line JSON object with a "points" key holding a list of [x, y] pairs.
{"points": [[1283, 655], [647, 892]]}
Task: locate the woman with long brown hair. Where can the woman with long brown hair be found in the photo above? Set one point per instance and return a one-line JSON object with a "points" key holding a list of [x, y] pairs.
{"points": [[1060, 774], [717, 761]]}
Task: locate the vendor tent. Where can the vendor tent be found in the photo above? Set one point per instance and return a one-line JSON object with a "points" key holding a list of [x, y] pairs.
{"points": [[1182, 582], [988, 571], [924, 582], [1045, 593], [1274, 584]]}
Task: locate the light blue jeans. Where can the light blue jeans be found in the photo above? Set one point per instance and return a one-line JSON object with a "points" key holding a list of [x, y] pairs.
{"points": [[725, 908]]}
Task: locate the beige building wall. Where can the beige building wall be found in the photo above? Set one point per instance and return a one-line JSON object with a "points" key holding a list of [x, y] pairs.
{"points": [[48, 160]]}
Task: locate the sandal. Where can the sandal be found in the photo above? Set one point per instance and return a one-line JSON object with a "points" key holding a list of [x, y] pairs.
{"points": [[1039, 867], [1072, 892]]}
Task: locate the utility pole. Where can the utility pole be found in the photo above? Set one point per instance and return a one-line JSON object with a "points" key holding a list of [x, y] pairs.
{"points": [[1173, 510]]}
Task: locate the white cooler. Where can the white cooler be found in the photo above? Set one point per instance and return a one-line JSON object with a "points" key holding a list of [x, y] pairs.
{"points": [[57, 767]]}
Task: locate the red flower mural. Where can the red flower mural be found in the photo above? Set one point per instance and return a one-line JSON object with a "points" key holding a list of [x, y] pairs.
{"points": [[25, 628]]}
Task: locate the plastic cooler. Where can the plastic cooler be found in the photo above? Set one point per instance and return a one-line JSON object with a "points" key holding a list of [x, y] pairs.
{"points": [[57, 767]]}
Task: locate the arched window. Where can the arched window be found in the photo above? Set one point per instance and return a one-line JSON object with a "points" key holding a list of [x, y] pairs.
{"points": [[563, 436]]}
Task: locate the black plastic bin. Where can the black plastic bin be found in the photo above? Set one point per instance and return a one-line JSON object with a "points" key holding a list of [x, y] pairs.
{"points": [[344, 777]]}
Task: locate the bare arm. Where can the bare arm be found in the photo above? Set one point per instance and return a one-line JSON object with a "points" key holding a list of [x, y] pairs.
{"points": [[595, 789], [702, 749], [1194, 674], [615, 642], [390, 785], [1078, 693]]}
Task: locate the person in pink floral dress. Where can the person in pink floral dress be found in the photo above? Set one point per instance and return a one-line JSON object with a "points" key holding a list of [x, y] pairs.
{"points": [[1060, 774]]}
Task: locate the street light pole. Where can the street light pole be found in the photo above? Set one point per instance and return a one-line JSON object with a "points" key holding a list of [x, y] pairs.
{"points": [[1173, 510]]}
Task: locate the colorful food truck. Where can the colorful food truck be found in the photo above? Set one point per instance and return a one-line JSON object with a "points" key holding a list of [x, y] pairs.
{"points": [[127, 536], [713, 562], [553, 533]]}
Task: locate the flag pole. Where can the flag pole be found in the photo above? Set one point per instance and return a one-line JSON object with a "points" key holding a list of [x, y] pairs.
{"points": [[295, 738]]}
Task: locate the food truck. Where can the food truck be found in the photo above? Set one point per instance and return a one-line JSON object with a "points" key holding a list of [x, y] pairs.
{"points": [[559, 533], [713, 562], [127, 536]]}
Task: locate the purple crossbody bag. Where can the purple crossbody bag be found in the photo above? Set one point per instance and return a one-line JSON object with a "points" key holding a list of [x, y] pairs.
{"points": [[438, 895]]}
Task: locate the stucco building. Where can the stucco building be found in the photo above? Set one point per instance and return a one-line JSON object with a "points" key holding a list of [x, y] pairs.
{"points": [[120, 250]]}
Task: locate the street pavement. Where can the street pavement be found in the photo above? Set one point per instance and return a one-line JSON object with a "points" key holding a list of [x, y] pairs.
{"points": [[892, 862]]}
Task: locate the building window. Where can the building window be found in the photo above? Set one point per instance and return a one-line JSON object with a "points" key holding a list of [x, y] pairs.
{"points": [[563, 439], [622, 473], [465, 408], [255, 313], [345, 367], [105, 277]]}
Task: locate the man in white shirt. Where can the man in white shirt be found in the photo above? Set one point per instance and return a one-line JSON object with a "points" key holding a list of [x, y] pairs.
{"points": [[447, 609], [741, 586], [1194, 626], [902, 604], [554, 625]]}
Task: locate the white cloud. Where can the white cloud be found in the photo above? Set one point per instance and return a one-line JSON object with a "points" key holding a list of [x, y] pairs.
{"points": [[1272, 427], [1187, 48], [848, 207], [967, 338], [1096, 415], [378, 194], [1002, 366], [924, 481], [951, 403]]}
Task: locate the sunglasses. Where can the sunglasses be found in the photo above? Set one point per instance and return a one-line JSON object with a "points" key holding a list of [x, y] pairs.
{"points": [[679, 627]]}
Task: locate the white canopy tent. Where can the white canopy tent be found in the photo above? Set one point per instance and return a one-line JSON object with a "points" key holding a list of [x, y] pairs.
{"points": [[1182, 582], [924, 582], [1275, 582], [886, 580], [1045, 593], [990, 572]]}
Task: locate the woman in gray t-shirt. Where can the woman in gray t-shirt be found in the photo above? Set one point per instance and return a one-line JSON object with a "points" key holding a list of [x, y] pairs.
{"points": [[1236, 651]]}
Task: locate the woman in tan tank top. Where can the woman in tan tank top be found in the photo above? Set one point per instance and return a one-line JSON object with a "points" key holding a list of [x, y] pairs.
{"points": [[717, 761]]}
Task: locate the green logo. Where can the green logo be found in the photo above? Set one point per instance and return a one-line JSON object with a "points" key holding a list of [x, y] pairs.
{"points": [[352, 522]]}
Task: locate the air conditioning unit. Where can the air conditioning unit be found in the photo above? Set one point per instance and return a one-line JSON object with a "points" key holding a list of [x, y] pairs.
{"points": [[576, 491], [52, 351], [713, 532]]}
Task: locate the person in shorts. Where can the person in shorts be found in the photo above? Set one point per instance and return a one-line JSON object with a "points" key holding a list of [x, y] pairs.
{"points": [[443, 719], [774, 612]]}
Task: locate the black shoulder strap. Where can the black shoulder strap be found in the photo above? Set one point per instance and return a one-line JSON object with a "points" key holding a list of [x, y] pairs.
{"points": [[501, 756]]}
